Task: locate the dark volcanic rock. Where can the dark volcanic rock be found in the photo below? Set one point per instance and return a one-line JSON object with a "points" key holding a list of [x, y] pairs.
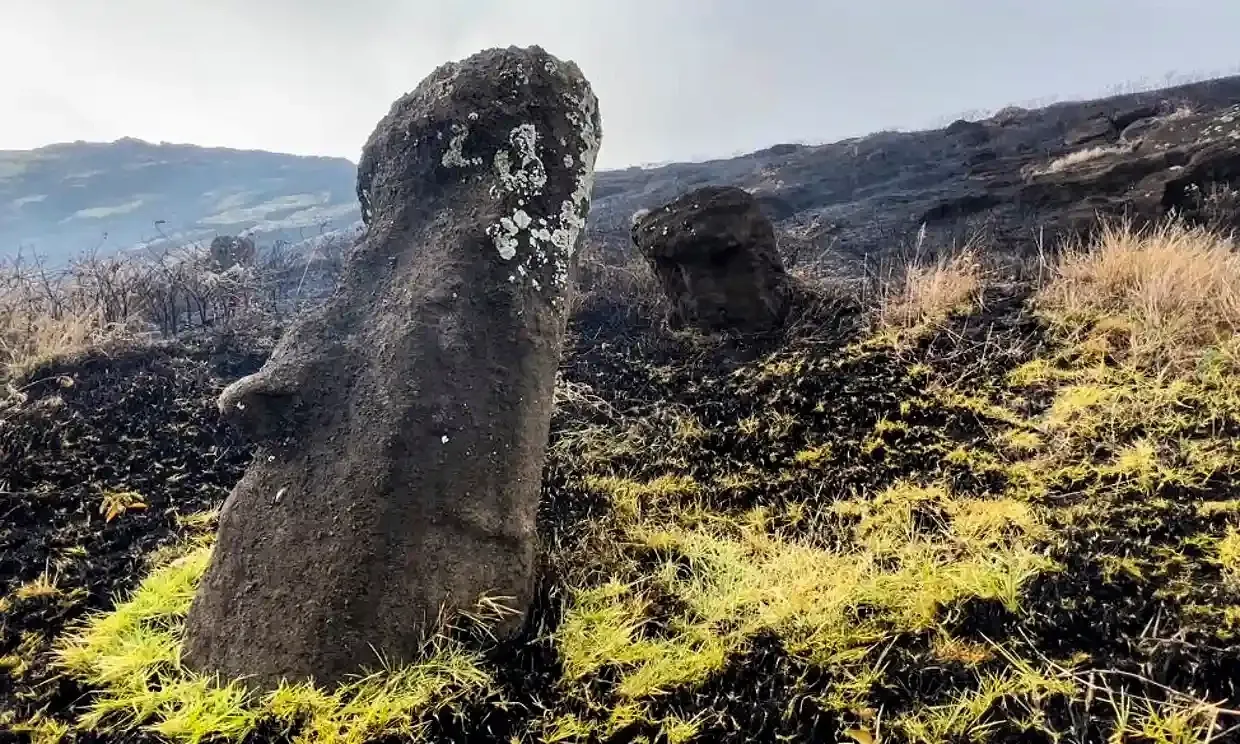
{"points": [[1098, 128], [714, 252], [1177, 163], [872, 194], [969, 132], [401, 428]]}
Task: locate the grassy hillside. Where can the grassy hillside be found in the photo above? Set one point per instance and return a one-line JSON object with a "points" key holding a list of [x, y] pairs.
{"points": [[971, 509], [64, 200]]}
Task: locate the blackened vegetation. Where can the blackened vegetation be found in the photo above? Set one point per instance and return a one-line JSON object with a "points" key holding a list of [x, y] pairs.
{"points": [[1139, 634], [803, 390], [751, 405], [142, 422], [1160, 623]]}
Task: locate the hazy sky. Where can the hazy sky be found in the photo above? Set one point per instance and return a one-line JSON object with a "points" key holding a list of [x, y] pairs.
{"points": [[676, 79]]}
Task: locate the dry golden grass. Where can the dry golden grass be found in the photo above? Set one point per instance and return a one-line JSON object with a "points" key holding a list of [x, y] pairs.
{"points": [[1229, 555], [1157, 297], [1065, 162], [927, 294], [29, 336], [132, 655], [736, 575]]}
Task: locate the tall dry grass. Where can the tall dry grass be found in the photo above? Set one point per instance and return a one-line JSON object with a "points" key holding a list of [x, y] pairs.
{"points": [[1064, 162], [46, 315], [614, 289], [29, 339], [923, 295], [54, 311], [1158, 296]]}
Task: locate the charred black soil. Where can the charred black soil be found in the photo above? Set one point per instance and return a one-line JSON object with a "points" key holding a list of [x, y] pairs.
{"points": [[1073, 601], [139, 426]]}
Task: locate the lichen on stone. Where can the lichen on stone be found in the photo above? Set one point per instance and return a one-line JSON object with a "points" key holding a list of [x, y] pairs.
{"points": [[443, 86], [505, 237], [530, 175], [521, 172], [454, 157]]}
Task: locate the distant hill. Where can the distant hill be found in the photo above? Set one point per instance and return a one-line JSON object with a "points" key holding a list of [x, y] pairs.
{"points": [[1011, 177], [63, 199], [849, 201]]}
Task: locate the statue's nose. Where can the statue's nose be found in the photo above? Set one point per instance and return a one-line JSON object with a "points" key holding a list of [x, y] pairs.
{"points": [[257, 407]]}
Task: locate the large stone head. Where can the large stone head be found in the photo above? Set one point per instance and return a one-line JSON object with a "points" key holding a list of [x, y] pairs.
{"points": [[401, 427], [715, 253], [471, 124], [474, 189]]}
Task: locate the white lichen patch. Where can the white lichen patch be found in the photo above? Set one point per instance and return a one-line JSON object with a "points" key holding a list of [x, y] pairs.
{"points": [[454, 157], [573, 210], [520, 173], [517, 73], [530, 175], [505, 237], [443, 86]]}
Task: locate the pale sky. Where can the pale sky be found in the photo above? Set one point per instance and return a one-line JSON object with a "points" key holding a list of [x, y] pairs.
{"points": [[676, 79]]}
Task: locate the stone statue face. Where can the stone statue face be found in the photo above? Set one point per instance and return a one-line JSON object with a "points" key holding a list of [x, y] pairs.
{"points": [[402, 425]]}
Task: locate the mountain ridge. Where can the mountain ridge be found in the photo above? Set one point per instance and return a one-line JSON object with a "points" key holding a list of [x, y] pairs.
{"points": [[66, 198], [850, 200]]}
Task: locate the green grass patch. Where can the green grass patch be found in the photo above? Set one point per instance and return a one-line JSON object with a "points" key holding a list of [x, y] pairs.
{"points": [[132, 656], [733, 578]]}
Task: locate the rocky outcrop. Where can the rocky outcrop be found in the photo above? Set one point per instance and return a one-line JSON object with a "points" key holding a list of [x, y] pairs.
{"points": [[1182, 162], [714, 252], [869, 196], [401, 428]]}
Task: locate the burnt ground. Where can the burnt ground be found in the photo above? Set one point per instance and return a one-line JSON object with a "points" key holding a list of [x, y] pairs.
{"points": [[140, 421], [144, 421]]}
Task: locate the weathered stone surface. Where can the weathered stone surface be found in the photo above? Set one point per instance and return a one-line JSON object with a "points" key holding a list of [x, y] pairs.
{"points": [[228, 251], [972, 133], [714, 252], [1095, 130], [1179, 162], [401, 428]]}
